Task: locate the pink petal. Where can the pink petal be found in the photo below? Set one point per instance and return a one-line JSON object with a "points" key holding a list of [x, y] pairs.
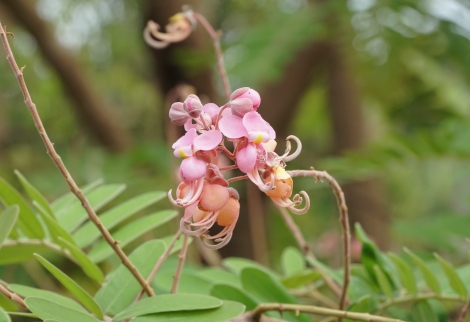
{"points": [[272, 133], [189, 125], [254, 122], [246, 158], [186, 139], [207, 141], [183, 151], [192, 169], [189, 210], [258, 137], [211, 109], [239, 92], [232, 127]]}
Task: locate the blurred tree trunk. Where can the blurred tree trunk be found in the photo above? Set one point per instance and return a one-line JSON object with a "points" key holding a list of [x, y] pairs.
{"points": [[89, 107], [365, 199]]}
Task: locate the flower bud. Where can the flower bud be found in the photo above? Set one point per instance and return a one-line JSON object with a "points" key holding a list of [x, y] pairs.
{"points": [[241, 106], [228, 215], [213, 197], [177, 114], [246, 92], [193, 106], [199, 214]]}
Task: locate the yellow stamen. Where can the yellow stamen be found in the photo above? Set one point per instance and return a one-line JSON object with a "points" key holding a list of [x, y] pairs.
{"points": [[259, 138], [176, 17], [182, 154]]}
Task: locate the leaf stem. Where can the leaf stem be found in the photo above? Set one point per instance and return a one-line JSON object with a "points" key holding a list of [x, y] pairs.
{"points": [[414, 298], [179, 268], [12, 296], [63, 170], [280, 307]]}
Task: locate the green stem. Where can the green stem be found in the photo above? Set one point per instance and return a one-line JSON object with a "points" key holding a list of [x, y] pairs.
{"points": [[413, 298]]}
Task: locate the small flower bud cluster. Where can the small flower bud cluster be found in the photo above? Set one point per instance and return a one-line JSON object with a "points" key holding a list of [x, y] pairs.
{"points": [[204, 192]]}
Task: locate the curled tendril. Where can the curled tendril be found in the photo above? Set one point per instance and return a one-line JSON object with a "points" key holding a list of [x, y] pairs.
{"points": [[219, 242], [296, 201], [195, 190], [256, 179], [286, 157]]}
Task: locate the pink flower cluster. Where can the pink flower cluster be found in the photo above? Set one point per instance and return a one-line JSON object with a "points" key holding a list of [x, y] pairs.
{"points": [[204, 192]]}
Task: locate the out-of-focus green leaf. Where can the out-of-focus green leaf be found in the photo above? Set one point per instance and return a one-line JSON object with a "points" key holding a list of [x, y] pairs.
{"points": [[75, 215], [363, 305], [264, 288], [34, 194], [46, 309], [72, 286], [383, 282], [178, 244], [27, 221], [169, 303], [233, 293], [330, 272], [423, 312], [7, 304], [429, 277], [55, 230], [4, 317], [292, 261], [64, 201], [7, 221], [12, 254], [227, 311], [83, 261], [122, 288], [88, 233], [454, 280], [130, 233], [236, 265], [301, 278], [27, 291], [219, 275], [189, 283], [405, 273]]}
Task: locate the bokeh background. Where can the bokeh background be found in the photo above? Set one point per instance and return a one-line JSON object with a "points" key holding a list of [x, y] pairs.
{"points": [[377, 90]]}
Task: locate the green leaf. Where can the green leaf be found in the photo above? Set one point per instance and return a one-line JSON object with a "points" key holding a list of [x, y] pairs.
{"points": [[363, 305], [178, 244], [13, 254], [55, 230], [219, 275], [423, 312], [88, 233], [454, 280], [28, 222], [64, 201], [83, 261], [190, 283], [227, 311], [301, 278], [336, 276], [264, 288], [27, 291], [429, 277], [122, 288], [34, 194], [236, 265], [73, 287], [169, 303], [46, 309], [7, 221], [233, 293], [406, 274], [130, 233], [383, 282], [72, 217], [4, 317], [292, 261]]}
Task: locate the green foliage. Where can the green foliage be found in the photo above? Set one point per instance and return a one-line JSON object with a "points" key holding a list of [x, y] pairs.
{"points": [[4, 317], [8, 220], [46, 309]]}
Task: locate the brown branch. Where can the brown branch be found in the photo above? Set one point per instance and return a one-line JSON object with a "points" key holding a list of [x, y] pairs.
{"points": [[281, 307], [305, 248], [464, 312], [218, 51], [344, 220], [179, 269], [12, 296], [63, 170], [89, 105]]}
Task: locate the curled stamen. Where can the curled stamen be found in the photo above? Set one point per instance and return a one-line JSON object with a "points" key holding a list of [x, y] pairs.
{"points": [[150, 40], [297, 201], [256, 179], [221, 243], [286, 157]]}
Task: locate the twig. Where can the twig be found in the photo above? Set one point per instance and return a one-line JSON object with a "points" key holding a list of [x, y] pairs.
{"points": [[315, 295], [179, 269], [344, 220], [413, 298], [12, 296], [464, 312], [305, 248], [218, 51], [63, 170], [237, 178], [160, 262], [281, 307]]}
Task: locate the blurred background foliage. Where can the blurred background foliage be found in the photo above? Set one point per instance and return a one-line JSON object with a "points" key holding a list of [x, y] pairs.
{"points": [[404, 64]]}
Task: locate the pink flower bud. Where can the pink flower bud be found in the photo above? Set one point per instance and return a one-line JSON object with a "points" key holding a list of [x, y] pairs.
{"points": [[193, 106], [240, 106], [246, 92], [229, 213], [213, 197], [177, 114]]}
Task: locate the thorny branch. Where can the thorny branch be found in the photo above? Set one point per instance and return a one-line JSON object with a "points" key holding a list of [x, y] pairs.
{"points": [[63, 170], [12, 296], [179, 269], [344, 220]]}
